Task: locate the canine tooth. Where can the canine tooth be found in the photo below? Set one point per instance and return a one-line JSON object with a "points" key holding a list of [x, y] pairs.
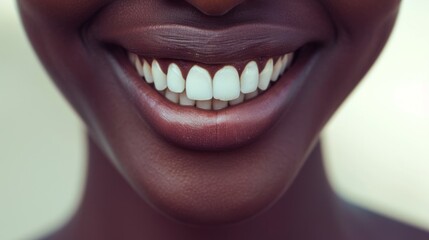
{"points": [[239, 100], [265, 75], [199, 84], [147, 72], [226, 84], [175, 81], [219, 104], [205, 104], [185, 101], [172, 96], [159, 77], [140, 69], [138, 65], [251, 95], [276, 70], [249, 78], [286, 61]]}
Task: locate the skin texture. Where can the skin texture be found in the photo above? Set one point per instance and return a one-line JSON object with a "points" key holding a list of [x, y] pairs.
{"points": [[247, 190]]}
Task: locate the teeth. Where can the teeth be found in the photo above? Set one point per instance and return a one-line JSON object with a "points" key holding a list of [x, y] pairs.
{"points": [[147, 72], [162, 92], [159, 77], [249, 78], [185, 101], [175, 81], [276, 70], [132, 57], [226, 84], [237, 101], [205, 104], [265, 75], [218, 104], [199, 84], [138, 65], [227, 88], [172, 96], [286, 61], [251, 95]]}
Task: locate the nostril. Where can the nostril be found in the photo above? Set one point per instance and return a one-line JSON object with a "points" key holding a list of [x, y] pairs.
{"points": [[215, 7]]}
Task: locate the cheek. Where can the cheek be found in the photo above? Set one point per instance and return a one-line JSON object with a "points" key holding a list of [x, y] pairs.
{"points": [[356, 16], [63, 13]]}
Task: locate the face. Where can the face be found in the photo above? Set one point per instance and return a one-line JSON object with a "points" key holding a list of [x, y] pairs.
{"points": [[207, 108]]}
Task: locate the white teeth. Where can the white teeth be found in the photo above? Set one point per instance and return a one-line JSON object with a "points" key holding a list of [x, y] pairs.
{"points": [[276, 70], [239, 100], [249, 78], [226, 88], [147, 71], [286, 61], [199, 84], [185, 101], [139, 66], [265, 75], [218, 104], [226, 84], [159, 77], [251, 95], [175, 81], [205, 104], [172, 96]]}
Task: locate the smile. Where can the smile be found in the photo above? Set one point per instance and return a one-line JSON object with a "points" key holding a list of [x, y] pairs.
{"points": [[215, 94], [211, 87]]}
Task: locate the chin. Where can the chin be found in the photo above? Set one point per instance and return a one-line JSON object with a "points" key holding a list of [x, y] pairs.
{"points": [[214, 201], [212, 188]]}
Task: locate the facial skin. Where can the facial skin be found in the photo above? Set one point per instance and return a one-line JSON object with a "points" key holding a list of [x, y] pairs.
{"points": [[77, 40]]}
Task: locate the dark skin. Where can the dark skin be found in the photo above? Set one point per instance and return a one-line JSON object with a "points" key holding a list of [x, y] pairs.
{"points": [[248, 172]]}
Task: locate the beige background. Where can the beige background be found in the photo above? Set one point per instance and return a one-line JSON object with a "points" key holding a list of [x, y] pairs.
{"points": [[377, 144]]}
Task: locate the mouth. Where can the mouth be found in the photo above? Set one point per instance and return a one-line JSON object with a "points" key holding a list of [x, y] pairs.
{"points": [[218, 102], [210, 87]]}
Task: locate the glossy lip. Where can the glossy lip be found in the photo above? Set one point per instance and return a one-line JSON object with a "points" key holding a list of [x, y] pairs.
{"points": [[225, 129], [198, 129]]}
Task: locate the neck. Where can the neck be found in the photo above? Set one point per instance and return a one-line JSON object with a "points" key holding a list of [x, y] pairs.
{"points": [[110, 209]]}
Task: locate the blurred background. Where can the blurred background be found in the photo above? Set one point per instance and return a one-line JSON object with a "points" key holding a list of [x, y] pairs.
{"points": [[377, 145]]}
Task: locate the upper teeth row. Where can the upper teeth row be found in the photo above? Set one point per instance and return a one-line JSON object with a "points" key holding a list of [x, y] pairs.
{"points": [[226, 85]]}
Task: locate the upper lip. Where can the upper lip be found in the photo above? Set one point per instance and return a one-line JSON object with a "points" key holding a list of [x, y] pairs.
{"points": [[219, 46]]}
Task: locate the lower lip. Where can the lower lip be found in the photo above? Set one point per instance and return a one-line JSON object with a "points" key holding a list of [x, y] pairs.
{"points": [[198, 129]]}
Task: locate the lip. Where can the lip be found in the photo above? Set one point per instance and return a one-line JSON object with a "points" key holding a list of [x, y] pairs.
{"points": [[198, 129], [209, 46]]}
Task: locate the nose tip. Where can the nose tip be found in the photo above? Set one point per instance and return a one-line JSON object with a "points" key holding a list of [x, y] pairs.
{"points": [[215, 7]]}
